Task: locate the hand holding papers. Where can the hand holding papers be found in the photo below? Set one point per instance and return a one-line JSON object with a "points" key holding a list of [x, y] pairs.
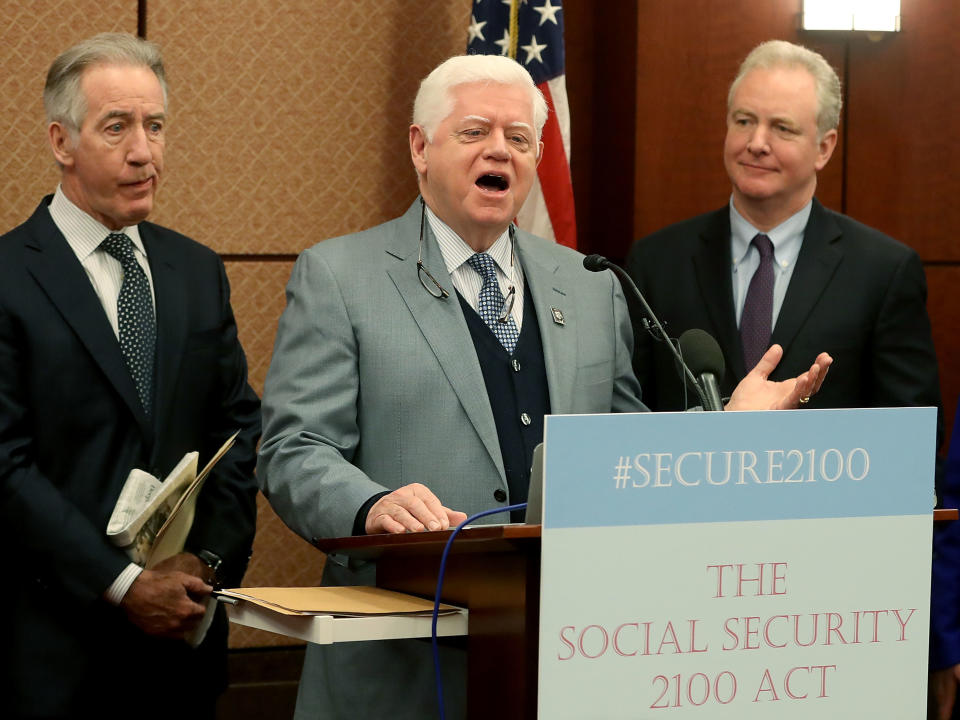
{"points": [[152, 519]]}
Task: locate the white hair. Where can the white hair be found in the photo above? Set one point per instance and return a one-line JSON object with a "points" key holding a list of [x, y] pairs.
{"points": [[780, 53], [434, 101]]}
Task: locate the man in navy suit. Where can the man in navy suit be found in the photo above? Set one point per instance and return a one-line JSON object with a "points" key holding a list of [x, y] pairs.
{"points": [[837, 285], [118, 350]]}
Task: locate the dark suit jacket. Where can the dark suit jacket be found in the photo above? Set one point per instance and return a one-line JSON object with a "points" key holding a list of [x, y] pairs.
{"points": [[855, 293], [945, 586], [71, 429]]}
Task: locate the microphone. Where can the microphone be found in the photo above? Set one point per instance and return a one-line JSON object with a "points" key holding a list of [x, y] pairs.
{"points": [[705, 359], [596, 263]]}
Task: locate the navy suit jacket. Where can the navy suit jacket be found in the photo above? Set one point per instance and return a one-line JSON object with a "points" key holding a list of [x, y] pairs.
{"points": [[72, 428], [855, 293], [945, 587]]}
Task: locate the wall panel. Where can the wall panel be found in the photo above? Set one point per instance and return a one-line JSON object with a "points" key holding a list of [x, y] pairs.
{"points": [[257, 297], [290, 119], [903, 152], [31, 36], [942, 283]]}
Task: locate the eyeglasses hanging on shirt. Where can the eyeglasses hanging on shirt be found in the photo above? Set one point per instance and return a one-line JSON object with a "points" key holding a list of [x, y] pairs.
{"points": [[437, 290]]}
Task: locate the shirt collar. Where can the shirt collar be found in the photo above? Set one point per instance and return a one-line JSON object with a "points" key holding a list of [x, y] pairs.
{"points": [[787, 237], [455, 250], [83, 233]]}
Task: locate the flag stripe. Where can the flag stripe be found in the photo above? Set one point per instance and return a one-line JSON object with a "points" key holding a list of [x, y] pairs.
{"points": [[531, 32], [554, 174]]}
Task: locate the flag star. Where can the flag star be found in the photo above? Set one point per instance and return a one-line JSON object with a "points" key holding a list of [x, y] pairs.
{"points": [[548, 12], [533, 50], [475, 30], [504, 43]]}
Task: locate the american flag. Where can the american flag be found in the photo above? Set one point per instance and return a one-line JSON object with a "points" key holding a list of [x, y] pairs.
{"points": [[531, 32]]}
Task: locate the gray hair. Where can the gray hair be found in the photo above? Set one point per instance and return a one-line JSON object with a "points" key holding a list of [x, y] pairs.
{"points": [[434, 100], [62, 97], [778, 54]]}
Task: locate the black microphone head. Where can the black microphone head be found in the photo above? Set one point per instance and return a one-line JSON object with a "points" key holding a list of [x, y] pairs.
{"points": [[595, 263], [702, 353]]}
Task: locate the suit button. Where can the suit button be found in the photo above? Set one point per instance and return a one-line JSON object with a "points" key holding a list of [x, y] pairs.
{"points": [[525, 419], [499, 495], [516, 365]]}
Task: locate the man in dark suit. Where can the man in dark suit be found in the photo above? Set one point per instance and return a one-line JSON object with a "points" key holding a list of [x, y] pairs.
{"points": [[775, 266], [118, 350]]}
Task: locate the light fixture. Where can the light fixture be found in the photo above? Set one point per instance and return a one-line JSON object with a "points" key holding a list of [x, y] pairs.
{"points": [[867, 15]]}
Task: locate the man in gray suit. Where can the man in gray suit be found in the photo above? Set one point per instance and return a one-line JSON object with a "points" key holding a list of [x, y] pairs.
{"points": [[406, 392]]}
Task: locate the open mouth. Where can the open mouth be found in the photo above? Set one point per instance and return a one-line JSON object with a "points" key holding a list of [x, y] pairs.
{"points": [[491, 181]]}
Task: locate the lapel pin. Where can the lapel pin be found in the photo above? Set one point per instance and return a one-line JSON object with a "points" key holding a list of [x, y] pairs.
{"points": [[557, 315]]}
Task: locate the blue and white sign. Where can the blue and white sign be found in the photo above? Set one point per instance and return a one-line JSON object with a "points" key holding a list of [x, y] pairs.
{"points": [[736, 565]]}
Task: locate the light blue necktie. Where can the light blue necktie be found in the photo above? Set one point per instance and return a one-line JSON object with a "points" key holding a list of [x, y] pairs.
{"points": [[491, 302]]}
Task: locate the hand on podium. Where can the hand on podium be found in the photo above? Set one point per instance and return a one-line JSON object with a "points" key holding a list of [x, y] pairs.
{"points": [[411, 508]]}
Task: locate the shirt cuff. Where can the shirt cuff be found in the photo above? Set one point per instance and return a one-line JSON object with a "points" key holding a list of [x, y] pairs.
{"points": [[116, 592]]}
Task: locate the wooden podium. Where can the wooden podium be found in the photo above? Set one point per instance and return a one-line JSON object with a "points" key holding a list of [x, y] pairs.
{"points": [[494, 571]]}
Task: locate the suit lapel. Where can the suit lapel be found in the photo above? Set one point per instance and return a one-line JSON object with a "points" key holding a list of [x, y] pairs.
{"points": [[170, 296], [550, 290], [716, 288], [56, 269], [442, 324], [820, 254]]}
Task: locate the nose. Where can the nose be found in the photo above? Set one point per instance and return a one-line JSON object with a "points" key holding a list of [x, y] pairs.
{"points": [[758, 141], [497, 146], [138, 148]]}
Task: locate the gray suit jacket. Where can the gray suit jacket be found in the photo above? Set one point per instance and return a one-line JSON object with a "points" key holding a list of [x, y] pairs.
{"points": [[375, 384]]}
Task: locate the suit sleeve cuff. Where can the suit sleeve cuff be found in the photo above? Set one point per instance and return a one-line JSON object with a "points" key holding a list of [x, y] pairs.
{"points": [[360, 521]]}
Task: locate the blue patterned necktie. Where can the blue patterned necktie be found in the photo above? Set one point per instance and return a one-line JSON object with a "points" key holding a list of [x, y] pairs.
{"points": [[491, 302], [757, 318], [138, 327]]}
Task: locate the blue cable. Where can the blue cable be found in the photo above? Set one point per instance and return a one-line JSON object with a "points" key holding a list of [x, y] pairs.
{"points": [[436, 597]]}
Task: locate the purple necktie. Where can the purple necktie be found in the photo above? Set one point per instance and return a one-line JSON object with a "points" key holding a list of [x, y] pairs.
{"points": [[757, 318]]}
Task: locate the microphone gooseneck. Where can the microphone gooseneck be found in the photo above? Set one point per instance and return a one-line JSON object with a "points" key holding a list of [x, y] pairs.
{"points": [[596, 263]]}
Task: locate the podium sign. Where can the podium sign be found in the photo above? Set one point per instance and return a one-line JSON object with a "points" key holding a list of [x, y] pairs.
{"points": [[736, 565]]}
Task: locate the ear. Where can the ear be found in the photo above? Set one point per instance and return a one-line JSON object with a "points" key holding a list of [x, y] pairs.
{"points": [[61, 143], [539, 153], [825, 148], [418, 149]]}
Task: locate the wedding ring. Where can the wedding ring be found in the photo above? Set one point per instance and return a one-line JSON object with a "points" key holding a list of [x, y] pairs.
{"points": [[804, 400]]}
